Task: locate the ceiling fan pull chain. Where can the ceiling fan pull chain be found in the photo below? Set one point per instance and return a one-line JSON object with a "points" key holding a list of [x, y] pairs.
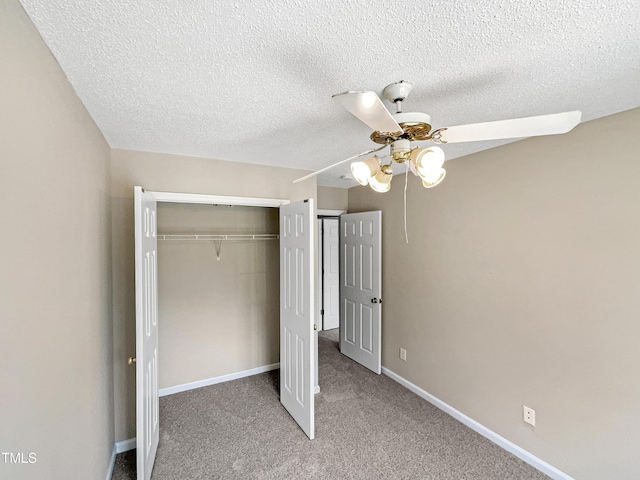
{"points": [[406, 176]]}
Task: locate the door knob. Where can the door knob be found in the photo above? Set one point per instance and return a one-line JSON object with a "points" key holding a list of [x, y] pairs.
{"points": [[374, 300], [132, 360]]}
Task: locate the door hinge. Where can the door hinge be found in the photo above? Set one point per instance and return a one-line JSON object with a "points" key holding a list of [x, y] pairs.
{"points": [[322, 312]]}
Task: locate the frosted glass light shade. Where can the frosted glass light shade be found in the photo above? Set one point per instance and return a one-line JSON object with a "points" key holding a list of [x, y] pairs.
{"points": [[434, 179], [365, 170], [428, 161], [381, 182]]}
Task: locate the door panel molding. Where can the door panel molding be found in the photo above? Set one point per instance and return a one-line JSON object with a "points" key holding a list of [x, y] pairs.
{"points": [[297, 313], [361, 287], [146, 281]]}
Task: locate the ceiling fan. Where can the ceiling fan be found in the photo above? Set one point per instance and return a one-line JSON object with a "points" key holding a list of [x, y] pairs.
{"points": [[399, 130]]}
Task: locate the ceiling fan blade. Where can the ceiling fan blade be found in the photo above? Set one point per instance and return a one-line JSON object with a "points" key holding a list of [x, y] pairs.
{"points": [[301, 179], [368, 107], [554, 123]]}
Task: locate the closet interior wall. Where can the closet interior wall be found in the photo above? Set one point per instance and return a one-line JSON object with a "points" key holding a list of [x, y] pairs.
{"points": [[221, 316]]}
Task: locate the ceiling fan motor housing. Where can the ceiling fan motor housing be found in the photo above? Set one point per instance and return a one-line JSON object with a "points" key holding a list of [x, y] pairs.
{"points": [[415, 126]]}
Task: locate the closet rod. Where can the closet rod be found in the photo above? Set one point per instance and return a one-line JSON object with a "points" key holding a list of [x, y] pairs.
{"points": [[263, 236]]}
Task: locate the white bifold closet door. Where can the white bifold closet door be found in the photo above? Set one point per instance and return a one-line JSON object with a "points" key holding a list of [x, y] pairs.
{"points": [[361, 288], [297, 312], [146, 274]]}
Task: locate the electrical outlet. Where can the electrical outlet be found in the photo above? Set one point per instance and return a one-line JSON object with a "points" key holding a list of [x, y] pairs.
{"points": [[403, 354], [529, 415]]}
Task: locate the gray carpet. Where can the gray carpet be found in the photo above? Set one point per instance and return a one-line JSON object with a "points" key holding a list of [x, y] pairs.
{"points": [[367, 427]]}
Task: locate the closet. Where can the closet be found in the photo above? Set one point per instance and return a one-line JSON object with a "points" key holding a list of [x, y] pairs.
{"points": [[227, 321], [218, 291]]}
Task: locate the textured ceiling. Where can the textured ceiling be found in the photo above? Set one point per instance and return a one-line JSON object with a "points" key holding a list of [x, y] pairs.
{"points": [[251, 81]]}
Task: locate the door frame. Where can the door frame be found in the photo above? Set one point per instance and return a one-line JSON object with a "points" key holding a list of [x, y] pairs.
{"points": [[197, 198], [173, 197], [321, 214], [329, 213]]}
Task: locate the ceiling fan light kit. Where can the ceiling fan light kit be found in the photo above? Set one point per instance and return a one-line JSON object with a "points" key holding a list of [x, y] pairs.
{"points": [[399, 130], [433, 181], [401, 150], [428, 162], [381, 181], [423, 162], [365, 170]]}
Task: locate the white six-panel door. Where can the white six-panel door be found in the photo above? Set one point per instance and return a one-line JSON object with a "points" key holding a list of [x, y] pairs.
{"points": [[146, 271], [361, 287], [297, 311]]}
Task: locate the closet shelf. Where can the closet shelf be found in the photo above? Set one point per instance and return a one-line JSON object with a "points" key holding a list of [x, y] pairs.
{"points": [[198, 236]]}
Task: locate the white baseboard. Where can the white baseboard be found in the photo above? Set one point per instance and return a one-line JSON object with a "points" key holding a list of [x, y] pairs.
{"points": [[519, 452], [112, 462], [125, 445], [212, 381], [119, 447]]}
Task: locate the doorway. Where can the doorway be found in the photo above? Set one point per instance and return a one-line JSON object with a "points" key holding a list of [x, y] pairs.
{"points": [[328, 269]]}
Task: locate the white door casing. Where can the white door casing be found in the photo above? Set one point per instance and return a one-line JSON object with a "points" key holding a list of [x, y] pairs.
{"points": [[319, 282], [318, 322], [146, 284], [331, 273], [297, 312], [361, 288]]}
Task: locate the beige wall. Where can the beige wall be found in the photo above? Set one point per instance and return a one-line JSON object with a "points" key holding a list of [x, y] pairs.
{"points": [[56, 390], [171, 173], [330, 198], [520, 285], [217, 316]]}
